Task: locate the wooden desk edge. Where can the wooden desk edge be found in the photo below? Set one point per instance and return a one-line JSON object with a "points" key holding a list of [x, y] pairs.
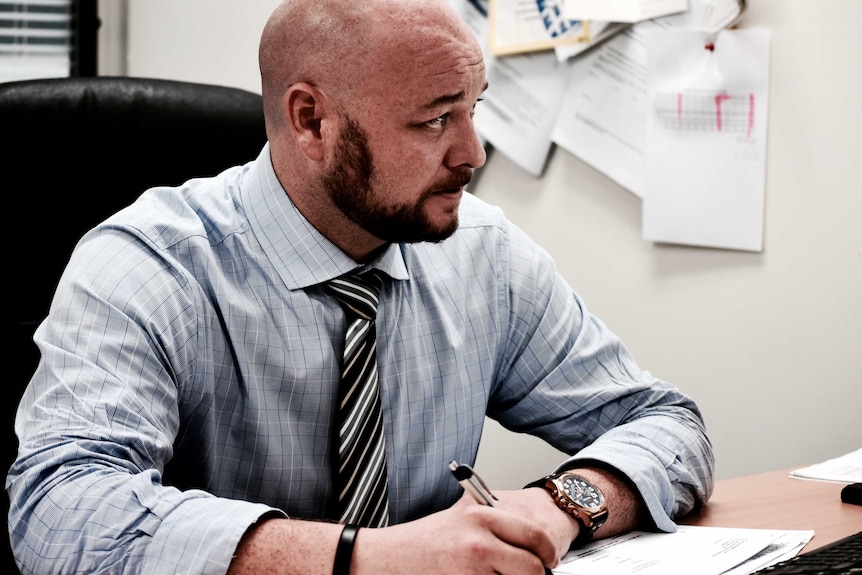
{"points": [[774, 500]]}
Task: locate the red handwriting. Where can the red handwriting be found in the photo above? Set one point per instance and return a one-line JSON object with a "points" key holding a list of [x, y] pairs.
{"points": [[719, 99]]}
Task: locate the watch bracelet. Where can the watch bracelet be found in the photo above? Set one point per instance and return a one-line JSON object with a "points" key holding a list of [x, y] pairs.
{"points": [[585, 533]]}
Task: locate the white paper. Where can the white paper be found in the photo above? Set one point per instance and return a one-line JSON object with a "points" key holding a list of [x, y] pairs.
{"points": [[705, 163], [714, 15], [519, 26], [520, 107], [599, 32], [709, 16], [786, 546], [701, 550], [602, 118], [844, 469], [622, 10]]}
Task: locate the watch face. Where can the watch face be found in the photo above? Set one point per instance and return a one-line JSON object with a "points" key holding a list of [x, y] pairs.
{"points": [[582, 492]]}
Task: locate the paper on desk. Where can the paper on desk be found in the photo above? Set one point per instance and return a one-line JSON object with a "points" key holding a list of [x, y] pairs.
{"points": [[705, 162], [786, 546], [622, 10], [520, 107], [713, 550], [518, 26], [844, 469]]}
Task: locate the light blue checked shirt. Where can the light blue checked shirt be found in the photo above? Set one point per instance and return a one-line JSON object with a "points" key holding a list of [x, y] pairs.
{"points": [[191, 333]]}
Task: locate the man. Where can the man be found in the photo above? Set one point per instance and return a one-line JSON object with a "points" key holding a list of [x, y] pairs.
{"points": [[194, 332]]}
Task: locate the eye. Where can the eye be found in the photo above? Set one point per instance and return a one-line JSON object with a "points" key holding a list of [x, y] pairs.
{"points": [[438, 122], [473, 109]]}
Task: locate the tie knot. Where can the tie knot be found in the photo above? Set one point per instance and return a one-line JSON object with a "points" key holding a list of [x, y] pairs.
{"points": [[358, 292]]}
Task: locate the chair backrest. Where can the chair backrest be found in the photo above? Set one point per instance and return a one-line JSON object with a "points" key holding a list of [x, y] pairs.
{"points": [[76, 151]]}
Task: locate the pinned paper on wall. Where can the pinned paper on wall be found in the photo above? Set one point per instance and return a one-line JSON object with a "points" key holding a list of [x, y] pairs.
{"points": [[520, 107], [519, 26], [623, 10], [704, 174], [602, 118], [674, 109]]}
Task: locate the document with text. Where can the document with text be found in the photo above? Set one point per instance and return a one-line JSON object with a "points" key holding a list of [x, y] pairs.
{"points": [[845, 468], [701, 550], [520, 107]]}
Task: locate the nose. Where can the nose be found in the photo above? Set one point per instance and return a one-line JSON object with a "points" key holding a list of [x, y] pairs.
{"points": [[466, 150]]}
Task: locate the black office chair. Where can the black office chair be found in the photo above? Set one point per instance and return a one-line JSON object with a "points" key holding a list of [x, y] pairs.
{"points": [[78, 150]]}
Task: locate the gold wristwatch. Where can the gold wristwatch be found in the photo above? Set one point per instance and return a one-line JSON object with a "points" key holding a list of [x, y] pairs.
{"points": [[580, 498]]}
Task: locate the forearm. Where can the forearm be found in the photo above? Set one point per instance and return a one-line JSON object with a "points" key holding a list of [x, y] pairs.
{"points": [[286, 547], [667, 459]]}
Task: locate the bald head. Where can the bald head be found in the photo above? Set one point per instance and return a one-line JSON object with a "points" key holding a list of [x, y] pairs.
{"points": [[369, 115], [342, 46]]}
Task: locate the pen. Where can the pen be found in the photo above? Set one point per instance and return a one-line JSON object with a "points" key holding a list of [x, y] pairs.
{"points": [[472, 483]]}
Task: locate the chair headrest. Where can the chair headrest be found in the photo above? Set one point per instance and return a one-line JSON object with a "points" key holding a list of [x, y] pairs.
{"points": [[80, 149]]}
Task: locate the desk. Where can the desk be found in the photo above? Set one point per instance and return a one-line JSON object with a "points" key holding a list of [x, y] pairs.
{"points": [[773, 500]]}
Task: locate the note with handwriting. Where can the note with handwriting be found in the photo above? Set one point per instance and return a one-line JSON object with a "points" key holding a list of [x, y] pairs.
{"points": [[705, 161]]}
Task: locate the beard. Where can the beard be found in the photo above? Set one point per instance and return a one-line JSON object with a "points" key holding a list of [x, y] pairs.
{"points": [[348, 185]]}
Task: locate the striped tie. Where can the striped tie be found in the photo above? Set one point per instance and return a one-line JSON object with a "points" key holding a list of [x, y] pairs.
{"points": [[361, 477]]}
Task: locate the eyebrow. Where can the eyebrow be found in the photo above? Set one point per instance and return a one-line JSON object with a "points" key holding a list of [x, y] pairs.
{"points": [[449, 99]]}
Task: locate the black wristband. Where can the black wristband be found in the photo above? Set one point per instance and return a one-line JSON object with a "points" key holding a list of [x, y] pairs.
{"points": [[344, 551]]}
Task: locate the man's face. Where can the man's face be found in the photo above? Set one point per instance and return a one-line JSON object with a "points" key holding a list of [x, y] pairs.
{"points": [[401, 163], [348, 183]]}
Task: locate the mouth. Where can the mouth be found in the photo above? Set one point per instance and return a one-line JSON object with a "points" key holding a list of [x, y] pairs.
{"points": [[455, 185], [450, 191]]}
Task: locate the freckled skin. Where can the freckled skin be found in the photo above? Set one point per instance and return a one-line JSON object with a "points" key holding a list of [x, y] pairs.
{"points": [[418, 169]]}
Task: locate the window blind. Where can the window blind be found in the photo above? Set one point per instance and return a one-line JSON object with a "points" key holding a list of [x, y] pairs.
{"points": [[37, 39]]}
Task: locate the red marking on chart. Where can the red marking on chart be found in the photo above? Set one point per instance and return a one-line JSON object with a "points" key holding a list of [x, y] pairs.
{"points": [[719, 99], [750, 115], [707, 110]]}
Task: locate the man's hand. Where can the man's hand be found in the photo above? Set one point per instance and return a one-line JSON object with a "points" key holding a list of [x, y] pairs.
{"points": [[522, 535], [468, 539], [538, 506]]}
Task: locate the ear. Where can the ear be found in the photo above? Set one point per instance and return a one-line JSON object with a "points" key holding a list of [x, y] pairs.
{"points": [[305, 110]]}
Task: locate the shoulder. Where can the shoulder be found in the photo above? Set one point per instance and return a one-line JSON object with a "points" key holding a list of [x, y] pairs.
{"points": [[206, 208], [476, 213], [486, 248]]}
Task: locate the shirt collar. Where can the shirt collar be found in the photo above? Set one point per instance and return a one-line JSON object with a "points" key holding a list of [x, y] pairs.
{"points": [[302, 256]]}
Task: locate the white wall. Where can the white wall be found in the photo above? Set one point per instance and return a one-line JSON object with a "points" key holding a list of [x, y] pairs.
{"points": [[770, 344]]}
